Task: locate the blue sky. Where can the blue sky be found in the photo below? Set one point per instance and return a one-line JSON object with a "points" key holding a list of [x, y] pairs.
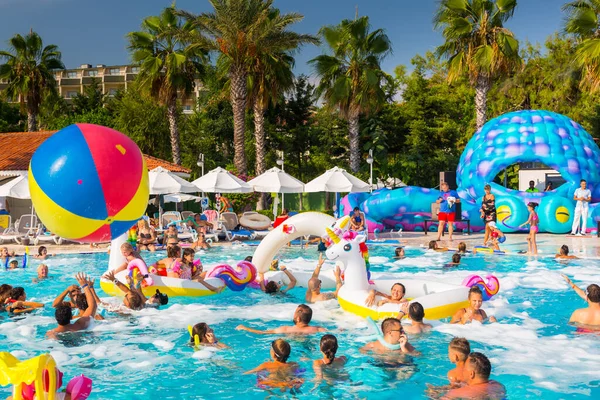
{"points": [[94, 31]]}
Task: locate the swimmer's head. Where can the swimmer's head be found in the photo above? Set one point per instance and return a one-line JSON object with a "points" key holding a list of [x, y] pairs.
{"points": [[564, 250], [416, 312], [200, 330], [280, 350], [477, 367], [397, 292], [456, 258], [4, 252], [42, 251], [159, 298], [249, 259], [81, 303], [271, 287], [593, 293], [18, 294], [399, 251], [303, 314], [459, 349], [462, 247], [329, 347], [314, 284], [475, 297], [174, 251], [42, 271], [132, 301], [392, 330], [5, 290], [63, 314], [126, 249], [13, 264], [188, 254], [433, 245]]}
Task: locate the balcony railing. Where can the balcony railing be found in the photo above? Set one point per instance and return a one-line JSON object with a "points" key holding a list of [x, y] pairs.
{"points": [[70, 81], [114, 78]]}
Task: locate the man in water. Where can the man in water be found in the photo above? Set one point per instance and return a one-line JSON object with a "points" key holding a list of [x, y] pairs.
{"points": [[589, 316], [563, 253], [302, 317], [447, 200], [532, 188], [582, 196], [476, 376], [64, 312], [416, 313], [313, 292], [393, 334], [72, 291]]}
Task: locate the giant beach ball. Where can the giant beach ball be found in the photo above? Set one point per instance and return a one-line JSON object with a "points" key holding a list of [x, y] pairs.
{"points": [[88, 183]]}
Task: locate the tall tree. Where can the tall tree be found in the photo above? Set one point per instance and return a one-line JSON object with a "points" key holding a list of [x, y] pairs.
{"points": [[583, 19], [168, 63], [351, 76], [241, 31], [29, 71], [478, 44]]}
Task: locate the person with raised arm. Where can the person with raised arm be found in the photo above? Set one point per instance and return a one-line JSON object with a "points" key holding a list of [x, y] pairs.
{"points": [[313, 291], [589, 316], [64, 313]]}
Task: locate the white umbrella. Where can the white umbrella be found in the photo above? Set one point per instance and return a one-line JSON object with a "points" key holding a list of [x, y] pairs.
{"points": [[219, 180], [276, 181], [17, 188], [178, 198], [336, 180], [163, 181]]}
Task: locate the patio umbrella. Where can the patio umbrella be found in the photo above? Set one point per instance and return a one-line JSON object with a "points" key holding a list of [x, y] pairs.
{"points": [[162, 181], [219, 180], [276, 181], [18, 188], [178, 198], [336, 180]]}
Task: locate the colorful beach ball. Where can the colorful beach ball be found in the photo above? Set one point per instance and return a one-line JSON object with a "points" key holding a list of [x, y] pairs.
{"points": [[88, 183]]}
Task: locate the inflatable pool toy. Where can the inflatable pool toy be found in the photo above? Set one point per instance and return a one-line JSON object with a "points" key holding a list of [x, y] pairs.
{"points": [[379, 336], [487, 250], [29, 390], [195, 337], [88, 183], [132, 237], [139, 265], [234, 280], [256, 222], [489, 288], [21, 373], [440, 300], [79, 387], [299, 225], [7, 261], [522, 136]]}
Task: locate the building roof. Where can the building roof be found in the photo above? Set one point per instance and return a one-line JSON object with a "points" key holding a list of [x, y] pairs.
{"points": [[17, 148]]}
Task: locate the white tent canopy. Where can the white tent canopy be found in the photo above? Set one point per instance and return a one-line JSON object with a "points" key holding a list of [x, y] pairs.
{"points": [[177, 198], [336, 180], [163, 181], [17, 188], [276, 181], [219, 180]]}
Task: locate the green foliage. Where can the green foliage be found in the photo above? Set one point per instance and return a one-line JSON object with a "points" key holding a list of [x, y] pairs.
{"points": [[91, 99], [11, 119]]}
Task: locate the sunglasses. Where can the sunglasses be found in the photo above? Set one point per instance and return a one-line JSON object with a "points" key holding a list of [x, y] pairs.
{"points": [[397, 330]]}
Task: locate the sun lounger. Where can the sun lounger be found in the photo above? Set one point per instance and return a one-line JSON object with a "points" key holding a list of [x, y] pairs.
{"points": [[44, 236], [229, 223], [26, 226]]}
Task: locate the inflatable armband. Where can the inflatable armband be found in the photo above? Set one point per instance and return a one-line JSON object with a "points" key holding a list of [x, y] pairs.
{"points": [[140, 265]]}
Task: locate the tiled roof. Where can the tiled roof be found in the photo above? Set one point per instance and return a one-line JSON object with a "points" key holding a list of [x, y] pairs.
{"points": [[16, 149]]}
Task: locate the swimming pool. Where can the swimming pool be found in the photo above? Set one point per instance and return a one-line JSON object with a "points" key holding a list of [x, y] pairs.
{"points": [[533, 351]]}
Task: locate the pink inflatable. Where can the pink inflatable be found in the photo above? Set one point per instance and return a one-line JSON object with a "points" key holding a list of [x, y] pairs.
{"points": [[143, 268], [489, 288]]}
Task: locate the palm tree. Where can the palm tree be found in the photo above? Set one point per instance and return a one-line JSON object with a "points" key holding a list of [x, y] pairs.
{"points": [[168, 63], [29, 71], [583, 18], [477, 44], [351, 79], [241, 31]]}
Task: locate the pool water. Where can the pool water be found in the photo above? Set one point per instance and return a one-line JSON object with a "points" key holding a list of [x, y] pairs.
{"points": [[534, 352]]}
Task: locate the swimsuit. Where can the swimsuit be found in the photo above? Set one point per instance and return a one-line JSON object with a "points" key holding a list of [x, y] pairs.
{"points": [[534, 228], [488, 206]]}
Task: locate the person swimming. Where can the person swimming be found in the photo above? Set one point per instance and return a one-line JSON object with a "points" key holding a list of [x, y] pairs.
{"points": [[64, 313], [416, 313], [17, 303], [458, 352], [433, 245], [278, 373], [476, 376], [563, 253], [588, 318], [302, 318], [393, 334], [455, 260], [474, 312], [399, 253], [206, 336], [462, 248], [313, 291], [272, 287], [329, 362], [42, 253]]}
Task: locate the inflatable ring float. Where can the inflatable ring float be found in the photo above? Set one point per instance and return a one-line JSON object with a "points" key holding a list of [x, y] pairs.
{"points": [[256, 222]]}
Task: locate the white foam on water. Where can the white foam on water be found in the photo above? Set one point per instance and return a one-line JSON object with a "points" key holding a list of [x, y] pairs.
{"points": [[163, 344]]}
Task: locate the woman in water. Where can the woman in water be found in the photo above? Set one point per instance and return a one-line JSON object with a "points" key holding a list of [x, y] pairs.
{"points": [[329, 363], [533, 222], [488, 211], [146, 236], [474, 312], [17, 304], [171, 236], [42, 253], [201, 243], [206, 336], [278, 373]]}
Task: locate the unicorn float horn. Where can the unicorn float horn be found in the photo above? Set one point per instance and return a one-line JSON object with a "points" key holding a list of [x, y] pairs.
{"points": [[334, 238]]}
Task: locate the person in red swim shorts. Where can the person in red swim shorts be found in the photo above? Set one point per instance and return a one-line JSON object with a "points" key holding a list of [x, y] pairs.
{"points": [[447, 201]]}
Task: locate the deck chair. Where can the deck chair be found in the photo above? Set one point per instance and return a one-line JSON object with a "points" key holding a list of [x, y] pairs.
{"points": [[25, 226], [170, 216], [212, 216], [186, 214], [7, 231], [229, 224], [42, 235]]}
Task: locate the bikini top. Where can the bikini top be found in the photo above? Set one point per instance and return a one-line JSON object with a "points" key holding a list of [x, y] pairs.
{"points": [[145, 235]]}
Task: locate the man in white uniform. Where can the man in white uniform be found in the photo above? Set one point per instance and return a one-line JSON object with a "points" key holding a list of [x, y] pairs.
{"points": [[583, 196]]}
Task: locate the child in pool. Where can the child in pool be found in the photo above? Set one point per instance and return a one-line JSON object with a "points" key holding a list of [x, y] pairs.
{"points": [[278, 373], [455, 260], [399, 253], [533, 222], [434, 246], [42, 253], [13, 264], [462, 248], [474, 312], [496, 235], [329, 361], [206, 336], [17, 304], [4, 254], [458, 351]]}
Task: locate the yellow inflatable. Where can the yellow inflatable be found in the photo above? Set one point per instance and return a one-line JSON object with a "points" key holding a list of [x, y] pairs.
{"points": [[16, 373]]}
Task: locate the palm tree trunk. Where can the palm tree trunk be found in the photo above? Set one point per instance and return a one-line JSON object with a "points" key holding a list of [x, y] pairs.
{"points": [[482, 87], [174, 129], [31, 121], [238, 103], [353, 136], [259, 138]]}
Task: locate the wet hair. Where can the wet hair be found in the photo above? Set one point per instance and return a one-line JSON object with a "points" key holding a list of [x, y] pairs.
{"points": [[401, 285], [16, 292], [199, 329], [5, 290], [461, 346], [475, 289], [329, 346], [173, 251], [398, 251], [481, 365], [416, 312], [188, 252], [593, 293], [304, 313], [432, 245], [127, 246], [282, 350], [249, 259], [135, 302], [532, 204], [462, 246], [455, 258], [271, 287], [388, 324], [487, 187], [81, 303], [63, 314], [565, 249], [41, 249]]}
